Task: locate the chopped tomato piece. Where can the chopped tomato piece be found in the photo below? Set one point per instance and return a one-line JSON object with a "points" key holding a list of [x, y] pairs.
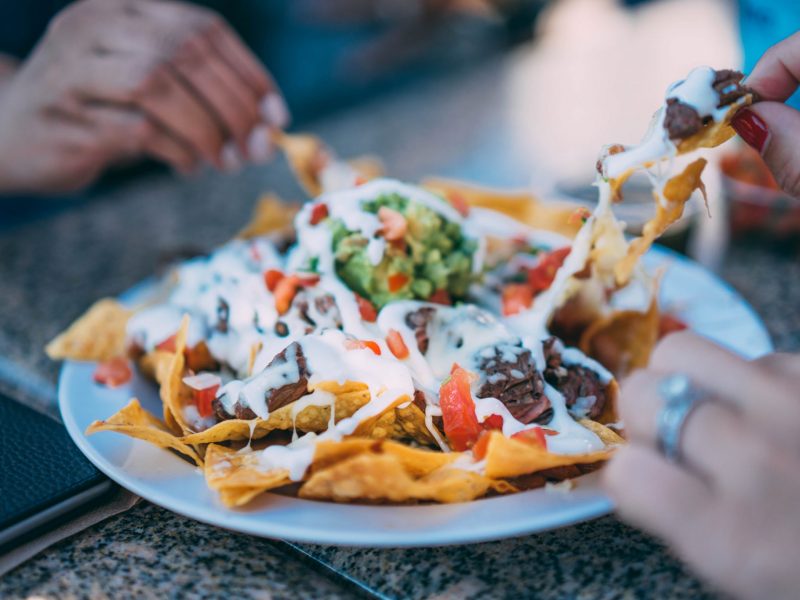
{"points": [[396, 344], [360, 180], [394, 224], [271, 278], [670, 324], [307, 279], [579, 215], [397, 282], [113, 372], [458, 411], [168, 345], [481, 446], [203, 399], [516, 298], [363, 344], [441, 297], [493, 422], [458, 202], [366, 309], [542, 275], [319, 212], [534, 436], [285, 291]]}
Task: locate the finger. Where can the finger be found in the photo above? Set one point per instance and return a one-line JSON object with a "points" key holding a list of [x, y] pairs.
{"points": [[655, 494], [234, 103], [127, 133], [716, 442], [781, 362], [159, 93], [767, 400], [773, 129], [242, 61], [777, 73]]}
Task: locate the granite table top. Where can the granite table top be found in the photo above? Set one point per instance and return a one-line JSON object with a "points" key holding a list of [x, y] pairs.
{"points": [[53, 267]]}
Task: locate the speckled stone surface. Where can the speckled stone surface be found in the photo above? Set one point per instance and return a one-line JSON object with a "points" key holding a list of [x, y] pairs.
{"points": [[53, 268]]}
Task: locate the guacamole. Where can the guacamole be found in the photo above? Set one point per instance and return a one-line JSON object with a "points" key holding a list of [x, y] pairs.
{"points": [[432, 259]]}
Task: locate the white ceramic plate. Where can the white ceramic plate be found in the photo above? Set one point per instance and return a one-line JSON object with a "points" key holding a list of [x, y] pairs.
{"points": [[708, 304]]}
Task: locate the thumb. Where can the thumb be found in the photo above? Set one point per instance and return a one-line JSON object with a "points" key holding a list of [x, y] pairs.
{"points": [[773, 129]]}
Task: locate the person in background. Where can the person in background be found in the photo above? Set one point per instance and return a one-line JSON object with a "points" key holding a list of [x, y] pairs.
{"points": [[108, 82], [713, 464]]}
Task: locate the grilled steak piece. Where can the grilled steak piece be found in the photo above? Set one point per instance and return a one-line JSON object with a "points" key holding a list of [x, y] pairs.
{"points": [[277, 397], [509, 374], [582, 389], [683, 121], [418, 321]]}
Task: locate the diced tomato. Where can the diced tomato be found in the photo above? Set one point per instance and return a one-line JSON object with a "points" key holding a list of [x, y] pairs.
{"points": [[307, 279], [579, 215], [319, 212], [516, 298], [394, 224], [271, 278], [493, 422], [481, 446], [366, 309], [203, 400], [458, 202], [284, 293], [360, 180], [396, 344], [113, 372], [534, 436], [541, 276], [458, 411], [441, 297], [669, 323], [362, 345], [372, 346], [168, 345], [397, 282]]}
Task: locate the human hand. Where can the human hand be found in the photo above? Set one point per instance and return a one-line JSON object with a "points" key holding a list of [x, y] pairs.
{"points": [[770, 126], [730, 508], [114, 80]]}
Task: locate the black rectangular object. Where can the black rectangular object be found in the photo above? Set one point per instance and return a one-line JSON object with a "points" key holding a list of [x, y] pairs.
{"points": [[43, 475]]}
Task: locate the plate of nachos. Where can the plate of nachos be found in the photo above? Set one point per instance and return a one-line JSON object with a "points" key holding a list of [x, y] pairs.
{"points": [[398, 364]]}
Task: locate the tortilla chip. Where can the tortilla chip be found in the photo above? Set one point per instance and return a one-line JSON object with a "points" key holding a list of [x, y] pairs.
{"points": [[506, 457], [174, 393], [623, 340], [270, 215], [238, 477], [410, 422], [677, 192], [349, 398], [608, 436], [306, 155], [374, 477], [521, 205], [97, 335], [136, 422], [714, 133]]}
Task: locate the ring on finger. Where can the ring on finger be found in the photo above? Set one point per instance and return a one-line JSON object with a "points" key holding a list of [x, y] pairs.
{"points": [[680, 398]]}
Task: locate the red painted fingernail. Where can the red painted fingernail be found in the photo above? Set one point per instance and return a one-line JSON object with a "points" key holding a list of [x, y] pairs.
{"points": [[751, 128]]}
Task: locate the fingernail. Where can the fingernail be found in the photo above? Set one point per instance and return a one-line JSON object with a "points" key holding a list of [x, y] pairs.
{"points": [[230, 158], [259, 144], [751, 128], [274, 110]]}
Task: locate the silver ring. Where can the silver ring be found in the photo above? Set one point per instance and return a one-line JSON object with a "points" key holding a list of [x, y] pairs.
{"points": [[680, 399]]}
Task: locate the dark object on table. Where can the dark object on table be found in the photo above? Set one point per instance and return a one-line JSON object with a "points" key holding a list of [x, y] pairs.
{"points": [[43, 476]]}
